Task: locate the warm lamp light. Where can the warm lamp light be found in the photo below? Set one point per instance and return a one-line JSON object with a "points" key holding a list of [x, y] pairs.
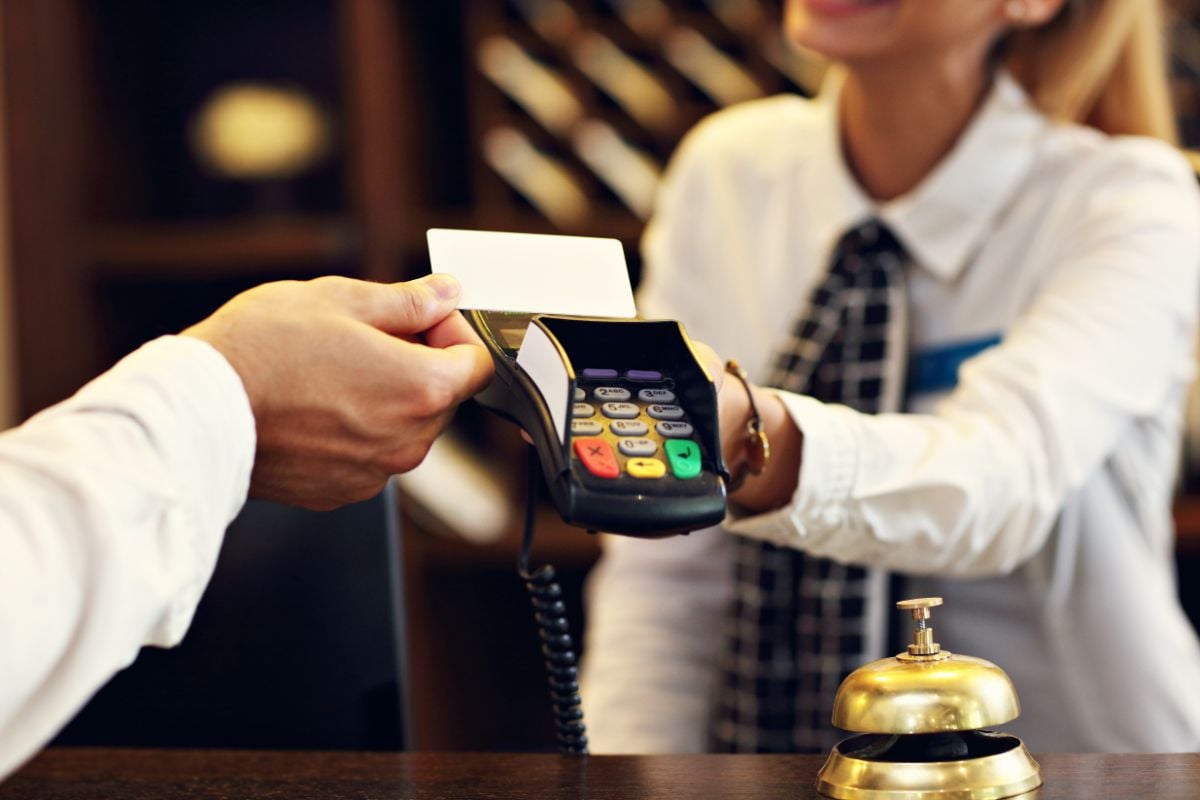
{"points": [[259, 132]]}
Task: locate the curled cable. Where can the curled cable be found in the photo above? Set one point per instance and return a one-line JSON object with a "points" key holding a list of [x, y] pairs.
{"points": [[554, 631]]}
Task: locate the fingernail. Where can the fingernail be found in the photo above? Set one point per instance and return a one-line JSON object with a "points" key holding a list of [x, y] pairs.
{"points": [[444, 286]]}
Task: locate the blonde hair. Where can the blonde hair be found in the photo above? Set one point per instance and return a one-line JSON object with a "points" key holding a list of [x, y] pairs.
{"points": [[1102, 63]]}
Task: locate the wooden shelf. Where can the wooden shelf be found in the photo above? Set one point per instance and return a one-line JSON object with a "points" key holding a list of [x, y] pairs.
{"points": [[200, 249]]}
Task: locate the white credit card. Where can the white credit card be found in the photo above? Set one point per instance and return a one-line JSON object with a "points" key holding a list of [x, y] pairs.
{"points": [[535, 273]]}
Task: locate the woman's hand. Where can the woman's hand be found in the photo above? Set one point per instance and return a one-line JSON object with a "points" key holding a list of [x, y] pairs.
{"points": [[350, 381], [777, 483]]}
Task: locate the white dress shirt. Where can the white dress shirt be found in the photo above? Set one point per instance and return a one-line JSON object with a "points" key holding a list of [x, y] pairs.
{"points": [[1033, 494], [113, 505]]}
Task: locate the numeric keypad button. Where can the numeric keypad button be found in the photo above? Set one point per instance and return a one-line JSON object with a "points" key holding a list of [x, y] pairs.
{"points": [[629, 427], [637, 447], [620, 410], [656, 396], [663, 411], [586, 427], [616, 393], [673, 430]]}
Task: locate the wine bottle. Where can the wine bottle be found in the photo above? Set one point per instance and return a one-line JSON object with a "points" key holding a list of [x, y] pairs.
{"points": [[632, 175], [532, 85], [630, 84], [649, 19], [746, 17], [554, 20], [543, 181], [712, 70], [802, 67]]}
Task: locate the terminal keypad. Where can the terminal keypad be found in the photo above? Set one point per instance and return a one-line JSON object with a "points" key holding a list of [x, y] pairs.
{"points": [[630, 423]]}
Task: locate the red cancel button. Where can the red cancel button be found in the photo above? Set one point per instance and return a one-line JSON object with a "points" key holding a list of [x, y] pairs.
{"points": [[597, 455]]}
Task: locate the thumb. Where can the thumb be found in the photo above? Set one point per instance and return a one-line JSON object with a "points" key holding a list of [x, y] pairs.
{"points": [[412, 306]]}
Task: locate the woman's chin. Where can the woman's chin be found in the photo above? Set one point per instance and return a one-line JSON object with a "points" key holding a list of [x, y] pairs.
{"points": [[843, 29]]}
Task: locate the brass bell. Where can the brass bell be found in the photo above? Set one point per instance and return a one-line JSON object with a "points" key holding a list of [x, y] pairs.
{"points": [[922, 719]]}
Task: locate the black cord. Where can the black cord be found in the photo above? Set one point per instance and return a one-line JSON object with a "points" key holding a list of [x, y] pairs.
{"points": [[554, 630]]}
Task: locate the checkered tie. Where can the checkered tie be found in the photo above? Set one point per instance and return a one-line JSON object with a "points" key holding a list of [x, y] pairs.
{"points": [[799, 624]]}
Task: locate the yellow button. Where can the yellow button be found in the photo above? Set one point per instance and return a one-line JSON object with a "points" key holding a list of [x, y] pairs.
{"points": [[645, 468]]}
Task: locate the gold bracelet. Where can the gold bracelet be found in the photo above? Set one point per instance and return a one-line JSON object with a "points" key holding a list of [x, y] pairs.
{"points": [[758, 449]]}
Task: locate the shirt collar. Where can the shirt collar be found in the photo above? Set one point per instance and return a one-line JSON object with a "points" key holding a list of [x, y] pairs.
{"points": [[944, 218]]}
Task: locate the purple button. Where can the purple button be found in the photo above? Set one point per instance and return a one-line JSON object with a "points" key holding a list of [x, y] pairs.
{"points": [[643, 375], [599, 373]]}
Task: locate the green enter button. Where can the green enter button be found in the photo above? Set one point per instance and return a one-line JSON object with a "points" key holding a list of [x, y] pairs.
{"points": [[684, 456]]}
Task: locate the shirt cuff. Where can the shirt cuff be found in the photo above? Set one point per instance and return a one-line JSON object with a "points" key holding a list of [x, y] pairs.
{"points": [[828, 467], [198, 418]]}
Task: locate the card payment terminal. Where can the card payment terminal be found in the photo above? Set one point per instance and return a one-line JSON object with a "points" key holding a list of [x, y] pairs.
{"points": [[622, 413]]}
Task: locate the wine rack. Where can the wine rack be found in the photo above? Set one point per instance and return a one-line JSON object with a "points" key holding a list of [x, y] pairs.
{"points": [[576, 106]]}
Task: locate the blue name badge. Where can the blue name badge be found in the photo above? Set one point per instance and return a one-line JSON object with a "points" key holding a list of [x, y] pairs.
{"points": [[936, 369]]}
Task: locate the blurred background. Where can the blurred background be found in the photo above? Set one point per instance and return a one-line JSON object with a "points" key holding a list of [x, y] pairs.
{"points": [[160, 156]]}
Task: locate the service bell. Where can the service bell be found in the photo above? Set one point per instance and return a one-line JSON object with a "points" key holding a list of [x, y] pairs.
{"points": [[922, 719]]}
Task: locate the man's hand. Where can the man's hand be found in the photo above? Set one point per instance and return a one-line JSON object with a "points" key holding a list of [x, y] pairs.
{"points": [[349, 381]]}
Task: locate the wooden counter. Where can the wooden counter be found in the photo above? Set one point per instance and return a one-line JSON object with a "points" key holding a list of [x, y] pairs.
{"points": [[99, 774]]}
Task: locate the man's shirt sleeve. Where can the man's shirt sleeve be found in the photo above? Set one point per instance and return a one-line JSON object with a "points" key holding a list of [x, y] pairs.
{"points": [[113, 505]]}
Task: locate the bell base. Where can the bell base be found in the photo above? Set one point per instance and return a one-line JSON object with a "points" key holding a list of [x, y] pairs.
{"points": [[1007, 771]]}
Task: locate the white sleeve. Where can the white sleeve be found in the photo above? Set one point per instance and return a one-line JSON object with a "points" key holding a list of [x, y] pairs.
{"points": [[655, 627], [113, 505], [974, 488]]}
